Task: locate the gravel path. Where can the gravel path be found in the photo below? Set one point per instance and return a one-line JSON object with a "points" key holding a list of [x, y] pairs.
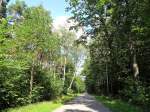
{"points": [[83, 103]]}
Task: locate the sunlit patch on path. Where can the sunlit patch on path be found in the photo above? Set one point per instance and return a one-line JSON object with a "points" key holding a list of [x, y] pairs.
{"points": [[83, 103]]}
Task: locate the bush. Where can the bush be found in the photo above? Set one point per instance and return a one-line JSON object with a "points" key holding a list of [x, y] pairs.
{"points": [[49, 85], [14, 88], [78, 85], [135, 92], [56, 87], [68, 80]]}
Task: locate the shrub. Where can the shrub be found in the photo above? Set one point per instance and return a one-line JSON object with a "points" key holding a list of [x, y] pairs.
{"points": [[78, 85], [14, 88], [135, 92]]}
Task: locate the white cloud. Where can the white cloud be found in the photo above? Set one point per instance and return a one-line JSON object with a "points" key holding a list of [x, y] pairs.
{"points": [[62, 21]]}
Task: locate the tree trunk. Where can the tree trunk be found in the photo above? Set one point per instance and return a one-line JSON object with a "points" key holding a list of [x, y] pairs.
{"points": [[107, 78], [54, 71], [64, 74], [135, 67], [71, 81], [31, 79], [1, 8], [1, 2]]}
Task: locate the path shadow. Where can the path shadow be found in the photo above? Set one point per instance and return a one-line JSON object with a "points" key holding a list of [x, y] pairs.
{"points": [[88, 101], [75, 110]]}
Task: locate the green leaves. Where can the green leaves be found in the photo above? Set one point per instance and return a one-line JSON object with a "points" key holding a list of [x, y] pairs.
{"points": [[101, 3], [120, 40], [31, 57]]}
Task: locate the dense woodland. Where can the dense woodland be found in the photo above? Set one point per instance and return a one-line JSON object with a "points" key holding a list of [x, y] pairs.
{"points": [[119, 63], [36, 63]]}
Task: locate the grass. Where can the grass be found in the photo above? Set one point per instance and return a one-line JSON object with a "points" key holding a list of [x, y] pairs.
{"points": [[117, 105], [43, 106], [38, 107]]}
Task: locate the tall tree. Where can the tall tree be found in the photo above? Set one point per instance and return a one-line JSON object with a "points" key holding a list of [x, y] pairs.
{"points": [[33, 37], [3, 9], [118, 32], [67, 44]]}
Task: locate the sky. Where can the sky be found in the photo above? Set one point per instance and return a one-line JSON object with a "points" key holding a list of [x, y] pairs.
{"points": [[56, 7]]}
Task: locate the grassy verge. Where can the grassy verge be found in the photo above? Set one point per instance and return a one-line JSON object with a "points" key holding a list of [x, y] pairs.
{"points": [[43, 106], [38, 107], [117, 105]]}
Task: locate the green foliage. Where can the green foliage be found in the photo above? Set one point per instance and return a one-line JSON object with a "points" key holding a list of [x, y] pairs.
{"points": [[119, 51], [117, 105], [78, 85], [31, 58], [47, 86], [135, 93], [90, 83], [17, 8], [67, 83]]}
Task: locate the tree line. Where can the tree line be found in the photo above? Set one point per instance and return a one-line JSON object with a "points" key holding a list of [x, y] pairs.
{"points": [[36, 63], [118, 63]]}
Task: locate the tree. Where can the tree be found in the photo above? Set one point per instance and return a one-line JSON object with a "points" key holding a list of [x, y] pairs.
{"points": [[3, 8], [67, 43], [118, 33], [32, 57], [33, 37]]}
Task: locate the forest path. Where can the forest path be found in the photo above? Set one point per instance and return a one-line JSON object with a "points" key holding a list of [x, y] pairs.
{"points": [[83, 103]]}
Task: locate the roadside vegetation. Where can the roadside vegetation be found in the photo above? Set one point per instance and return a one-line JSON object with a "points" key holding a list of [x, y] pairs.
{"points": [[47, 106], [118, 64], [37, 62], [43, 107], [116, 105]]}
